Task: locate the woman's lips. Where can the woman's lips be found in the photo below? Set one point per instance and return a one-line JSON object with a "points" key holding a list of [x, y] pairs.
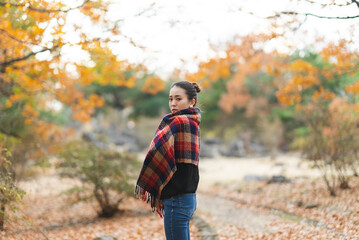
{"points": [[174, 110]]}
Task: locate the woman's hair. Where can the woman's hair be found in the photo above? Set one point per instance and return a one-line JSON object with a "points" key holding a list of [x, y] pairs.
{"points": [[191, 89]]}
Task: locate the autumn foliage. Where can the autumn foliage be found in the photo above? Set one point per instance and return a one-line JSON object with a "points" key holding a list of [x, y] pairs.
{"points": [[41, 85], [47, 61], [34, 74], [318, 92], [54, 72], [337, 71]]}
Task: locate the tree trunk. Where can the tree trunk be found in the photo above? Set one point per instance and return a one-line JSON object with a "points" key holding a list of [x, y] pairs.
{"points": [[330, 188], [355, 173], [2, 215]]}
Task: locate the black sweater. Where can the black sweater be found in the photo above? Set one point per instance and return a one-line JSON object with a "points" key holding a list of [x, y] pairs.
{"points": [[184, 180]]}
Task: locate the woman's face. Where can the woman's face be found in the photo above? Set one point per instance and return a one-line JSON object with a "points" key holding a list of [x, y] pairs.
{"points": [[178, 99]]}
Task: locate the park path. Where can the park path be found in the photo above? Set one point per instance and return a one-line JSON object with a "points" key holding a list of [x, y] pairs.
{"points": [[223, 214]]}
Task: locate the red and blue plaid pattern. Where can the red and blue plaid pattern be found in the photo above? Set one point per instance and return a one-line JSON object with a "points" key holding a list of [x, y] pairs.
{"points": [[177, 140]]}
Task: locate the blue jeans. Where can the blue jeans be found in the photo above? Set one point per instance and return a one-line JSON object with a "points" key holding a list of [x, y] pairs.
{"points": [[178, 213]]}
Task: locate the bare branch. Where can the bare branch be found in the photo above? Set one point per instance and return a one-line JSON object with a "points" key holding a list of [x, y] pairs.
{"points": [[16, 39], [330, 4], [356, 2], [137, 14], [11, 134], [309, 14], [6, 63], [44, 9], [276, 15]]}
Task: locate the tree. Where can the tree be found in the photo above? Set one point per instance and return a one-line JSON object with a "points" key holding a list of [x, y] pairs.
{"points": [[323, 87], [33, 27], [39, 89]]}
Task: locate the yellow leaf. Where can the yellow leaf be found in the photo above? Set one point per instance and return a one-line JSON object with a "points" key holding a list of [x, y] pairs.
{"points": [[8, 103]]}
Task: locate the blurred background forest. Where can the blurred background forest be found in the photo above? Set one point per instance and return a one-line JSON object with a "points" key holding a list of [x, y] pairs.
{"points": [[70, 101]]}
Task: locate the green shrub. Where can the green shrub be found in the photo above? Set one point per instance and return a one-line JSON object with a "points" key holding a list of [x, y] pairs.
{"points": [[106, 175], [332, 141], [10, 194]]}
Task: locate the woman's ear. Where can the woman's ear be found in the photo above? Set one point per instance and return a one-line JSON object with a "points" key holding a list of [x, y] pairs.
{"points": [[193, 102]]}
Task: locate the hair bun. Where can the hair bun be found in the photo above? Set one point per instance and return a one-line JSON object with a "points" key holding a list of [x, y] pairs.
{"points": [[198, 89]]}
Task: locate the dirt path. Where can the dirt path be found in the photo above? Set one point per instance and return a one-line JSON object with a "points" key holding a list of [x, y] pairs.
{"points": [[222, 212], [224, 215]]}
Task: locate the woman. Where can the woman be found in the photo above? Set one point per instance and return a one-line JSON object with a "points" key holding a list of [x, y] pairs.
{"points": [[169, 175]]}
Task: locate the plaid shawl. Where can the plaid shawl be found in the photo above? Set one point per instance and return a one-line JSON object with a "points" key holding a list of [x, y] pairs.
{"points": [[177, 140]]}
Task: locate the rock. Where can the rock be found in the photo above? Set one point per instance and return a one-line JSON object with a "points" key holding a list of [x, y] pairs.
{"points": [[254, 178], [105, 237], [130, 142], [212, 141], [235, 149], [311, 205], [103, 140], [89, 137], [308, 206], [278, 164], [206, 151], [278, 179], [210, 147], [299, 203], [119, 140], [256, 149]]}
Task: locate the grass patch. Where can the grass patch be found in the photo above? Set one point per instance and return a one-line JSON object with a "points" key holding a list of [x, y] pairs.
{"points": [[290, 217]]}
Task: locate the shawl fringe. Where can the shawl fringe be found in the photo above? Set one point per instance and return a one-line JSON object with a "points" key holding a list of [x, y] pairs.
{"points": [[156, 204]]}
